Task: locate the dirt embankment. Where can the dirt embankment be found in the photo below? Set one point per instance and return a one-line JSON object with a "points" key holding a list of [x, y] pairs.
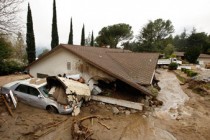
{"points": [[192, 122]]}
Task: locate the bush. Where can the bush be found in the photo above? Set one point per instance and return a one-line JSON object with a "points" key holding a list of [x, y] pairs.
{"points": [[189, 73], [173, 66], [192, 74], [9, 67], [183, 69]]}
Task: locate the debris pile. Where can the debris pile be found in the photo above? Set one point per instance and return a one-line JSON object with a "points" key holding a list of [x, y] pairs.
{"points": [[68, 92], [82, 132]]}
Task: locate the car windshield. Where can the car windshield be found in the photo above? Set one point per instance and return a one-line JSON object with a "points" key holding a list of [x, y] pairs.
{"points": [[44, 91]]}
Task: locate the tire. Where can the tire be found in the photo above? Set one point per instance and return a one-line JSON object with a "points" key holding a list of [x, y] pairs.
{"points": [[52, 109]]}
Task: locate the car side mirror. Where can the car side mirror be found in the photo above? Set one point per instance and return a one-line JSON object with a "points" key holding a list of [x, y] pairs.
{"points": [[40, 96]]}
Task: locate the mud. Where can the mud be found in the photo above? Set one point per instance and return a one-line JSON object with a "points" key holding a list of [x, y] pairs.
{"points": [[29, 123]]}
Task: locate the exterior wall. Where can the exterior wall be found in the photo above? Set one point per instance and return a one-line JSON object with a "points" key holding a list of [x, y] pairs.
{"points": [[203, 61], [56, 63]]}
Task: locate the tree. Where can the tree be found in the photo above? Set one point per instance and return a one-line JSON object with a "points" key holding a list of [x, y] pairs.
{"points": [[5, 49], [180, 41], [43, 52], [30, 39], [92, 40], [19, 48], [152, 37], [196, 43], [55, 39], [71, 34], [9, 21], [132, 46], [169, 49], [112, 35], [83, 36]]}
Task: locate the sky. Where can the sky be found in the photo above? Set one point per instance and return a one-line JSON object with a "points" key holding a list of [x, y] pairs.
{"points": [[96, 14]]}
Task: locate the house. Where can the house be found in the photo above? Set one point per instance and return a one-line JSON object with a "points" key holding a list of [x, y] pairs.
{"points": [[203, 59], [94, 63], [179, 55]]}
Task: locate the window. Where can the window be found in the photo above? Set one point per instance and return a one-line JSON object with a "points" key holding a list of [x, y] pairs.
{"points": [[33, 91], [27, 90], [68, 65], [22, 88]]}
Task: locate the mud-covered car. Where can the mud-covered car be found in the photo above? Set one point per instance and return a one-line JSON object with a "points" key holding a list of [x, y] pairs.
{"points": [[55, 94]]}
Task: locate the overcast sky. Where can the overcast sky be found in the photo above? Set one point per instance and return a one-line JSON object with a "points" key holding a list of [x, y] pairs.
{"points": [[96, 14]]}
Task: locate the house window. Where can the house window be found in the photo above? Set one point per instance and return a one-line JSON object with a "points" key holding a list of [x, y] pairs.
{"points": [[68, 65]]}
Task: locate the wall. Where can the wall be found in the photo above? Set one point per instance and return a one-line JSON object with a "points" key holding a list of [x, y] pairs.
{"points": [[56, 63], [204, 61]]}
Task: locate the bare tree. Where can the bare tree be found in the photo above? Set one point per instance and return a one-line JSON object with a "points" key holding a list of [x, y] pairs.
{"points": [[9, 22]]}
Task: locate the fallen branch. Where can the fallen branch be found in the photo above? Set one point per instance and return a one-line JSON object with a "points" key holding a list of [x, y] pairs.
{"points": [[79, 131], [104, 125]]}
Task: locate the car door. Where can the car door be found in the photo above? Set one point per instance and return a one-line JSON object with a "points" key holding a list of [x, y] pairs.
{"points": [[21, 91], [35, 98], [29, 95]]}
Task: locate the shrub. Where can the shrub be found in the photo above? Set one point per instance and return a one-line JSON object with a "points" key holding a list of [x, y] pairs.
{"points": [[187, 71], [173, 66], [192, 74], [183, 69], [9, 67]]}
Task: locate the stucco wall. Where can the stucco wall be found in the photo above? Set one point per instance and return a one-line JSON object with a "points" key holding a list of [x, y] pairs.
{"points": [[203, 61], [56, 63]]}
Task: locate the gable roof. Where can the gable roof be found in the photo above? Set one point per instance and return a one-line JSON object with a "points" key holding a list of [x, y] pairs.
{"points": [[204, 56], [135, 69]]}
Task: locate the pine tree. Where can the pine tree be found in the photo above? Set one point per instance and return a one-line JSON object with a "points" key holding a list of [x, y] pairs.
{"points": [[30, 39], [83, 36], [55, 39], [92, 40], [71, 34]]}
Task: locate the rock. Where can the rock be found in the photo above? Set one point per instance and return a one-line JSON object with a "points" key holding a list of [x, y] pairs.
{"points": [[115, 110], [133, 111], [102, 103], [127, 112], [121, 108], [144, 116]]}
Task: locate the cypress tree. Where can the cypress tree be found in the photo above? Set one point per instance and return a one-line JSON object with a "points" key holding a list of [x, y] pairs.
{"points": [[71, 34], [55, 39], [83, 36], [92, 40], [30, 39]]}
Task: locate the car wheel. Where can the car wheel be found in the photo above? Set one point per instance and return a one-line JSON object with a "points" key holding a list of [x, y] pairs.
{"points": [[52, 109]]}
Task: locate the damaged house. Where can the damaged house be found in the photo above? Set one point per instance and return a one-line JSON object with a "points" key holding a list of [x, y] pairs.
{"points": [[95, 64]]}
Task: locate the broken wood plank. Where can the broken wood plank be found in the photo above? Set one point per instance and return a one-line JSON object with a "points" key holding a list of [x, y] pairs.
{"points": [[8, 107], [124, 103]]}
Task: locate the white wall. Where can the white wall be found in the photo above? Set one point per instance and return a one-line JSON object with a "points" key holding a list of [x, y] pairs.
{"points": [[203, 61], [56, 63]]}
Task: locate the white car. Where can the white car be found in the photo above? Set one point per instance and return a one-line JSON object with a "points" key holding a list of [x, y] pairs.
{"points": [[42, 94]]}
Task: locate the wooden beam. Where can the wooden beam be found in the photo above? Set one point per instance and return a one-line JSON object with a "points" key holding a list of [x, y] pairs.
{"points": [[124, 103], [8, 107]]}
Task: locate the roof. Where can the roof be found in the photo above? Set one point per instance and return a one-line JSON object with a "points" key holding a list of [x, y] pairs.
{"points": [[204, 56], [135, 69], [179, 53]]}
